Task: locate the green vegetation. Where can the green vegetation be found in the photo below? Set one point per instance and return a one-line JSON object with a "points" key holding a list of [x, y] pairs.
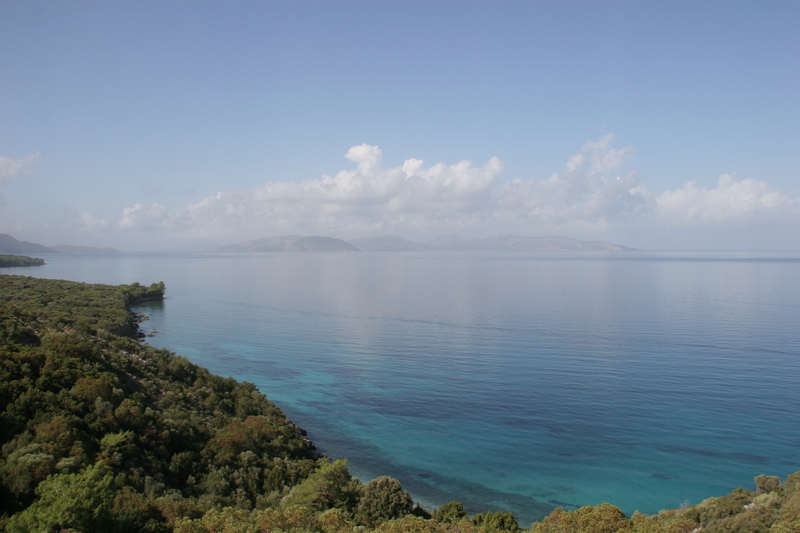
{"points": [[19, 261], [102, 433]]}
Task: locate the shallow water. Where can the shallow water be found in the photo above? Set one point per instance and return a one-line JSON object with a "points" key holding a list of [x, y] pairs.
{"points": [[513, 381]]}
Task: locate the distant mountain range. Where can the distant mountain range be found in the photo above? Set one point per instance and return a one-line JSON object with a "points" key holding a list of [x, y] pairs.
{"points": [[291, 243], [67, 249], [515, 243], [391, 243], [10, 245], [387, 243]]}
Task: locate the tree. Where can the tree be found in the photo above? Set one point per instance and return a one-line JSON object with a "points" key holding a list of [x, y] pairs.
{"points": [[496, 521], [227, 520], [382, 499], [767, 483], [334, 521], [329, 486], [80, 501], [409, 524], [450, 513], [603, 518]]}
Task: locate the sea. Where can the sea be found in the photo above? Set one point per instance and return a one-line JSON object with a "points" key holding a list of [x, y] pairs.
{"points": [[506, 381]]}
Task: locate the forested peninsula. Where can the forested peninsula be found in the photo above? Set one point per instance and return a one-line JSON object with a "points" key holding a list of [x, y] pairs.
{"points": [[101, 432], [19, 261]]}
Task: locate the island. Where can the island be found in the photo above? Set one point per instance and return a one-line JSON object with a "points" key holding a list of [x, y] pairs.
{"points": [[101, 432]]}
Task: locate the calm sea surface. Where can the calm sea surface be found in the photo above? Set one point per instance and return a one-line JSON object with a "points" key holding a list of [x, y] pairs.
{"points": [[505, 381]]}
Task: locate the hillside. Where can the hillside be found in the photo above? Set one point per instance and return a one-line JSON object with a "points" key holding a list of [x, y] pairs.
{"points": [[10, 245], [100, 432]]}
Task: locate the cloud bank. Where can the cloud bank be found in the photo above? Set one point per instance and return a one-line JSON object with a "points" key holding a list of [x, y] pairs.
{"points": [[589, 197], [731, 199]]}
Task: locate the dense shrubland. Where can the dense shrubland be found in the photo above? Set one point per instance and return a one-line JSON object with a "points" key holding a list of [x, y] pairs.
{"points": [[102, 433]]}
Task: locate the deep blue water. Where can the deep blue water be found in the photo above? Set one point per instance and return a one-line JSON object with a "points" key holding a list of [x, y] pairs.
{"points": [[513, 381]]}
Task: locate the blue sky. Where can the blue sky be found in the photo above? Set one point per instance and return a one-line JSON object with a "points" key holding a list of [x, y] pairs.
{"points": [[150, 125]]}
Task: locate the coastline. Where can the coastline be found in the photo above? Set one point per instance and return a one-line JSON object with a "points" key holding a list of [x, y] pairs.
{"points": [[482, 504]]}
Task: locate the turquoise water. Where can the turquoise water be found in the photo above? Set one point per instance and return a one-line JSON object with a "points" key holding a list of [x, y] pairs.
{"points": [[513, 381]]}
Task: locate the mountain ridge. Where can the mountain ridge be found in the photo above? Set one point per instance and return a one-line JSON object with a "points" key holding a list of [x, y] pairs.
{"points": [[290, 243], [382, 243], [69, 249], [11, 245], [393, 243]]}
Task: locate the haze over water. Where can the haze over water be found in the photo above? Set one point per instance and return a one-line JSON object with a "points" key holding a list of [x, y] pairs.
{"points": [[518, 381]]}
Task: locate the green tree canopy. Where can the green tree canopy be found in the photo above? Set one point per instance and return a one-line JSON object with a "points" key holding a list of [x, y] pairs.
{"points": [[330, 486], [382, 499], [450, 513]]}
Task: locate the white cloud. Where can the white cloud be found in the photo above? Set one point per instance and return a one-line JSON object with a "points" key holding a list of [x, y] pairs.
{"points": [[11, 169], [730, 200], [584, 197], [592, 195], [368, 157], [603, 157], [367, 198]]}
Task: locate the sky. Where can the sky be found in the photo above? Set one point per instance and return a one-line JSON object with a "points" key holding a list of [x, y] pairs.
{"points": [[167, 125]]}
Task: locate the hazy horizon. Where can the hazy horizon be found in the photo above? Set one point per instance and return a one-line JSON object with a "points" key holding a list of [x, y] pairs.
{"points": [[152, 126]]}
